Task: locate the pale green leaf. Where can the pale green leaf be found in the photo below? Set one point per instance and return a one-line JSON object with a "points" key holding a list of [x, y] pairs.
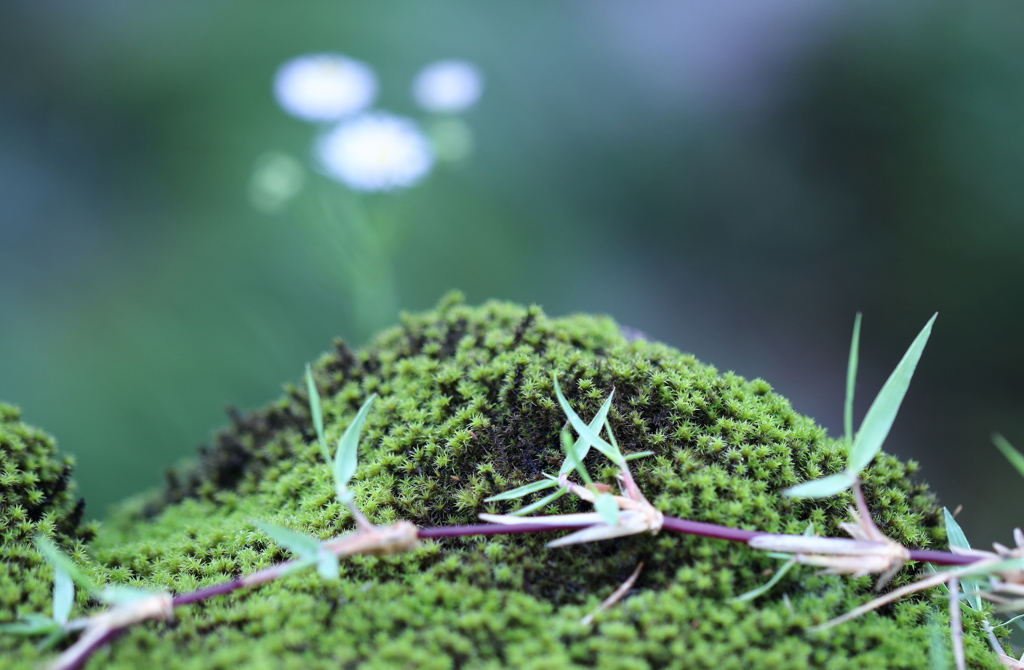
{"points": [[584, 431], [346, 458], [938, 653], [31, 624], [879, 419], [574, 461], [63, 596], [639, 454], [851, 379], [606, 506], [58, 561], [821, 488], [1009, 621], [582, 445], [540, 504], [51, 640], [524, 490], [123, 595], [1012, 455], [957, 538], [299, 544], [327, 565], [317, 412], [767, 586]]}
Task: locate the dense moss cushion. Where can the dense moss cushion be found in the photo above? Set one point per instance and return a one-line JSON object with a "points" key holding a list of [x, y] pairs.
{"points": [[465, 411]]}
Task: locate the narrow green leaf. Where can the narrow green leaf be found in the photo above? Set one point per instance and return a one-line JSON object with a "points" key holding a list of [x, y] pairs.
{"points": [[63, 596], [821, 488], [31, 624], [607, 508], [346, 458], [957, 538], [122, 595], [1006, 565], [571, 458], [58, 561], [639, 454], [51, 640], [877, 422], [543, 502], [1012, 455], [327, 565], [954, 532], [1009, 621], [524, 490], [584, 431], [301, 545], [938, 654], [851, 379], [767, 586], [582, 445], [317, 412]]}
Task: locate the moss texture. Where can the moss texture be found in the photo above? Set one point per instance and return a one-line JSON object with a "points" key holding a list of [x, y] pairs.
{"points": [[466, 410], [36, 496]]}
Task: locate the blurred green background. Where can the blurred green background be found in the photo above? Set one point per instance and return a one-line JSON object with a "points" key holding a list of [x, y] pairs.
{"points": [[736, 180]]}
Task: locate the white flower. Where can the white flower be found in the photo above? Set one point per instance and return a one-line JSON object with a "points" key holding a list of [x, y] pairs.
{"points": [[375, 152], [448, 86], [324, 87]]}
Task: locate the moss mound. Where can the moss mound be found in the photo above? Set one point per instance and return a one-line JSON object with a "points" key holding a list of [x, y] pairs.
{"points": [[466, 410], [36, 496]]}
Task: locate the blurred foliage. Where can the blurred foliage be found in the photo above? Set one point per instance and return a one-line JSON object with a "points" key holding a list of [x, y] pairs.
{"points": [[736, 182]]}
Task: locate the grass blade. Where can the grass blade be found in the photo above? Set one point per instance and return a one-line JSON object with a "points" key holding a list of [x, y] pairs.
{"points": [[303, 546], [317, 412], [639, 454], [938, 654], [570, 456], [31, 624], [346, 458], [122, 595], [608, 509], [543, 502], [821, 488], [767, 586], [584, 431], [879, 419], [957, 538], [582, 445], [327, 565], [63, 596], [58, 561], [524, 490], [1012, 455], [851, 379]]}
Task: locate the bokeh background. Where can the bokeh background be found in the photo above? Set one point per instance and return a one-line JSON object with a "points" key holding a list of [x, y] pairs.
{"points": [[735, 179]]}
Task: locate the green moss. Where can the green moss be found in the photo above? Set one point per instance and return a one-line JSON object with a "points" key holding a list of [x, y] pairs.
{"points": [[466, 410], [36, 497]]}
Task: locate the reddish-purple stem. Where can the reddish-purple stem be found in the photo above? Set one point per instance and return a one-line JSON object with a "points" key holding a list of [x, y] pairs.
{"points": [[942, 557], [88, 652], [208, 592], [669, 523], [490, 529]]}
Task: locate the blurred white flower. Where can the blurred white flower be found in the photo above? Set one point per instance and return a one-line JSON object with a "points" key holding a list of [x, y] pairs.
{"points": [[276, 179], [324, 87], [375, 152], [448, 86]]}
